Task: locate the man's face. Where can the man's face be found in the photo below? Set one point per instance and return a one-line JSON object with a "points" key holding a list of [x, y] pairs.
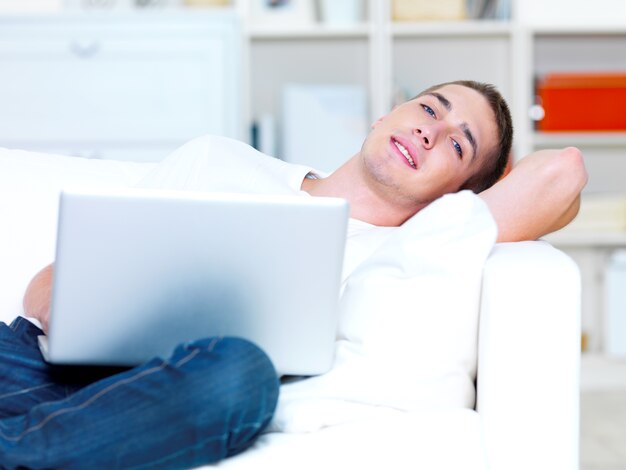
{"points": [[430, 146]]}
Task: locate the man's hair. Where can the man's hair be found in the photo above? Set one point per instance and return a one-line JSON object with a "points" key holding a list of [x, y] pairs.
{"points": [[496, 159]]}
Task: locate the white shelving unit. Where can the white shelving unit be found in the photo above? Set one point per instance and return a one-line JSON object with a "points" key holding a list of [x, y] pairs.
{"points": [[581, 48], [384, 56], [577, 48]]}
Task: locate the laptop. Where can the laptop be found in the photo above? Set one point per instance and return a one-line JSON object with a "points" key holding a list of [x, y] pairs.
{"points": [[138, 272]]}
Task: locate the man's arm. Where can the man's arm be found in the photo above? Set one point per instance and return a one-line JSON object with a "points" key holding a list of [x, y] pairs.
{"points": [[541, 194], [38, 296]]}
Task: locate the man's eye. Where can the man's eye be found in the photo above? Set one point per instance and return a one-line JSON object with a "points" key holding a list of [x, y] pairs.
{"points": [[429, 110], [457, 148]]}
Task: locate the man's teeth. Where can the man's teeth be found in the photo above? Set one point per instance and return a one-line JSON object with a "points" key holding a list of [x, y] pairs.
{"points": [[406, 154]]}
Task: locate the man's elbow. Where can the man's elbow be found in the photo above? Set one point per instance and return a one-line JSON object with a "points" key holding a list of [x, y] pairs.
{"points": [[564, 172], [572, 169], [571, 177]]}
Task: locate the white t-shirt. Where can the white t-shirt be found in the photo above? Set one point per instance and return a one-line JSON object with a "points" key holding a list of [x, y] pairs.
{"points": [[213, 163], [395, 344]]}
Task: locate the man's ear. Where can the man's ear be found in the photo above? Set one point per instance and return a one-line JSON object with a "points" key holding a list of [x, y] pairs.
{"points": [[378, 121]]}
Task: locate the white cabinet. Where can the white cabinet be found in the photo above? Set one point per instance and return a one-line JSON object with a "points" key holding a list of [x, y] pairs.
{"points": [[131, 86]]}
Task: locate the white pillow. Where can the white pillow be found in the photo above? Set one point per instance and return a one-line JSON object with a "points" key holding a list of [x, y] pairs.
{"points": [[29, 187], [409, 322]]}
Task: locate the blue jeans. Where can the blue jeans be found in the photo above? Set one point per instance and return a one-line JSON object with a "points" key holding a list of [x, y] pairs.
{"points": [[209, 400]]}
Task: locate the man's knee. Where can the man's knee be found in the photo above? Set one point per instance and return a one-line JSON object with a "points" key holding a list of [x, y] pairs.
{"points": [[230, 384], [234, 373], [232, 354]]}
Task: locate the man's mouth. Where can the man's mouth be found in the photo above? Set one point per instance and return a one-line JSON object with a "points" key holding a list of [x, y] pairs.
{"points": [[405, 152]]}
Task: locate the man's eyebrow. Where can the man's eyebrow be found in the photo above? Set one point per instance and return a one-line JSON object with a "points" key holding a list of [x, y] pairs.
{"points": [[445, 102], [470, 137]]}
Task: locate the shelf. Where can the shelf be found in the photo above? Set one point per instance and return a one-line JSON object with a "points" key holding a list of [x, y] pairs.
{"points": [[314, 31], [398, 29], [577, 30], [579, 139], [586, 238], [451, 28], [602, 372]]}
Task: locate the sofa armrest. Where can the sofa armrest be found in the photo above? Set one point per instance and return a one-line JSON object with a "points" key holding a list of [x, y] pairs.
{"points": [[529, 357]]}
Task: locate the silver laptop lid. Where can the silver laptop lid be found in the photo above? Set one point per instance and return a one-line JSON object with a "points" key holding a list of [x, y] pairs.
{"points": [[139, 271]]}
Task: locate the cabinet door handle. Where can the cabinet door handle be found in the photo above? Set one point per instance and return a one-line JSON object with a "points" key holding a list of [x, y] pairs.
{"points": [[84, 49]]}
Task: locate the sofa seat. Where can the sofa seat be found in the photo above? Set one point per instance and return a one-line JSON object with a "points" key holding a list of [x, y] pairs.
{"points": [[429, 439]]}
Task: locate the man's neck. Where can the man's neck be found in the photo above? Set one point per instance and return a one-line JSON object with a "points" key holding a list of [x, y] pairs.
{"points": [[350, 182]]}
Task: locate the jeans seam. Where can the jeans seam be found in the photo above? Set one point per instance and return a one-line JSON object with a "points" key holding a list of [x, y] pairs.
{"points": [[196, 351], [25, 390], [86, 403]]}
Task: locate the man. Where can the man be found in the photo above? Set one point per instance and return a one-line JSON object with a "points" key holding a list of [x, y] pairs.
{"points": [[448, 140], [213, 397]]}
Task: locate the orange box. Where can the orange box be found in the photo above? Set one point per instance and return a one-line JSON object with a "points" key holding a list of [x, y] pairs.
{"points": [[583, 102]]}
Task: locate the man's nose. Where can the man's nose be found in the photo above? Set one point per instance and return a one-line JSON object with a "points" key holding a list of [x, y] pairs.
{"points": [[426, 134]]}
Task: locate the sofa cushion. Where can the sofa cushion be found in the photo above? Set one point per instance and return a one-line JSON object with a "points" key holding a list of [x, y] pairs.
{"points": [[30, 184]]}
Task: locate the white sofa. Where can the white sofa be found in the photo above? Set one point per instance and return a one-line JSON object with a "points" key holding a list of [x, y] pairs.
{"points": [[527, 411]]}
